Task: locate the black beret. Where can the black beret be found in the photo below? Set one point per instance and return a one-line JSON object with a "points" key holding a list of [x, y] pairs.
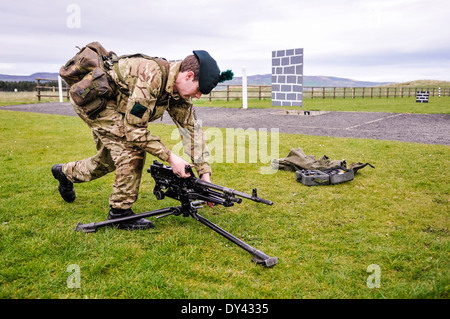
{"points": [[209, 72]]}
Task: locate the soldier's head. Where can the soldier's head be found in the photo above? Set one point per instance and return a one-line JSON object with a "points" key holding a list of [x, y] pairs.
{"points": [[187, 82], [199, 74], [190, 63]]}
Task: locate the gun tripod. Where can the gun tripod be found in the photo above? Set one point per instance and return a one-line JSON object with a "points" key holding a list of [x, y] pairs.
{"points": [[186, 209]]}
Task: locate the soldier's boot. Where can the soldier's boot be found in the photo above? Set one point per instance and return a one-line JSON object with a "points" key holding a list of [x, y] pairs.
{"points": [[65, 187], [135, 224]]}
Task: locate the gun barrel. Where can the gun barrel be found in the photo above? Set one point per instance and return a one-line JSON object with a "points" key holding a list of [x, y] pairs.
{"points": [[233, 192]]}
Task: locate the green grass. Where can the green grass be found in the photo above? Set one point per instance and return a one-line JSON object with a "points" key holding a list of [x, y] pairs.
{"points": [[14, 98], [395, 216], [394, 105]]}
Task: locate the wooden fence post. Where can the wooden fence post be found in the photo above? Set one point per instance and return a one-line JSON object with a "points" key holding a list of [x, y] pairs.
{"points": [[38, 89]]}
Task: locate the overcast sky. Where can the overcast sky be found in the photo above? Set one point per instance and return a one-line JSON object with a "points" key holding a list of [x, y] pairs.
{"points": [[371, 40]]}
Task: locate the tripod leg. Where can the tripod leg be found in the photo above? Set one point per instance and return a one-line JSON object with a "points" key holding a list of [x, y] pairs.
{"points": [[92, 227], [258, 256]]}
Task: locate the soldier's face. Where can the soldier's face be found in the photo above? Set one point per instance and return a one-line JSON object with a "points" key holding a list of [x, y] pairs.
{"points": [[186, 86]]}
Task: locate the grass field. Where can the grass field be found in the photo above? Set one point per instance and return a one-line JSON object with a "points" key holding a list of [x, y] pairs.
{"points": [[327, 238], [13, 98], [394, 105]]}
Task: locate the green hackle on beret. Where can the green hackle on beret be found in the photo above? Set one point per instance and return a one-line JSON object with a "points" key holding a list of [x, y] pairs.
{"points": [[226, 76], [210, 73]]}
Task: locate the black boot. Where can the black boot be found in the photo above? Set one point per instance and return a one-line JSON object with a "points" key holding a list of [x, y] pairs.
{"points": [[135, 224], [65, 186]]}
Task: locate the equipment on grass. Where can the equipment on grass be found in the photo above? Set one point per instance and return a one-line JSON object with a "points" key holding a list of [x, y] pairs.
{"points": [[314, 177], [192, 192]]}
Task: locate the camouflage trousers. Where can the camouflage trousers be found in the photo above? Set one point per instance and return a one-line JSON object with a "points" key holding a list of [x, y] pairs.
{"points": [[114, 153]]}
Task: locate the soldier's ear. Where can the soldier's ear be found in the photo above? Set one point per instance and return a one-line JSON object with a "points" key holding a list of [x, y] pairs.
{"points": [[189, 76]]}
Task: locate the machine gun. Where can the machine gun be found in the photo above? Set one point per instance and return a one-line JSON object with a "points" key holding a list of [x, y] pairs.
{"points": [[173, 186], [192, 192]]}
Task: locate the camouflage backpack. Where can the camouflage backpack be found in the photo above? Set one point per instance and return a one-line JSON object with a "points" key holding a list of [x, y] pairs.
{"points": [[90, 84]]}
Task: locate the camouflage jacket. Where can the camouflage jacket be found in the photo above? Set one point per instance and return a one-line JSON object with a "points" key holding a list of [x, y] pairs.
{"points": [[145, 103]]}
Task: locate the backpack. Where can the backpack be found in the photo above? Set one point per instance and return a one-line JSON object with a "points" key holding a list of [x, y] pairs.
{"points": [[90, 84], [311, 171]]}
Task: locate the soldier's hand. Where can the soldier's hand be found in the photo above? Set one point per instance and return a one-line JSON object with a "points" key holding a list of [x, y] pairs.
{"points": [[178, 165], [206, 178]]}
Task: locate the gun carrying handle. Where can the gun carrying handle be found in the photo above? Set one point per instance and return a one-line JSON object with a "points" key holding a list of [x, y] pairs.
{"points": [[188, 169]]}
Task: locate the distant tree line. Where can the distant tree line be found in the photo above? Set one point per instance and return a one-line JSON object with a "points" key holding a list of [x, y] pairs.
{"points": [[10, 86]]}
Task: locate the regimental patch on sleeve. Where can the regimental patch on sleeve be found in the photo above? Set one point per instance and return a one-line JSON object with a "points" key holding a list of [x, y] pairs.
{"points": [[138, 110]]}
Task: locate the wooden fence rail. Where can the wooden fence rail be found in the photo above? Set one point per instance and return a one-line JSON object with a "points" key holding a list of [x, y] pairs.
{"points": [[369, 92], [50, 91], [261, 92], [230, 92], [234, 92]]}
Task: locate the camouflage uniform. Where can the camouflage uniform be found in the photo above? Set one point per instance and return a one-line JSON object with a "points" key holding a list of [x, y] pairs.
{"points": [[121, 130]]}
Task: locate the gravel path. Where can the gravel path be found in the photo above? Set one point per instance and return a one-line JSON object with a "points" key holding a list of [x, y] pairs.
{"points": [[417, 128]]}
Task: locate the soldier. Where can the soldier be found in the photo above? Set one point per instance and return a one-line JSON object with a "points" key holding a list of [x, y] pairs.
{"points": [[146, 88]]}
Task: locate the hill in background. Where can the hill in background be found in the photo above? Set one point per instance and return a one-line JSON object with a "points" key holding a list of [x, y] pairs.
{"points": [[32, 77], [332, 81], [308, 81], [266, 79], [422, 84]]}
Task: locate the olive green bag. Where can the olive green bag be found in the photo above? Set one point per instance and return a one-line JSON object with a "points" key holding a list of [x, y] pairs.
{"points": [[90, 86]]}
